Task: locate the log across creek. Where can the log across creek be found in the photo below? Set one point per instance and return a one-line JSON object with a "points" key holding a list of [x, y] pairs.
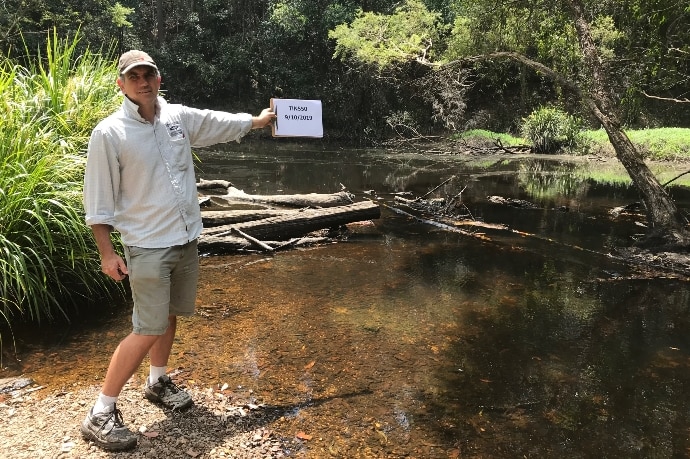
{"points": [[273, 222]]}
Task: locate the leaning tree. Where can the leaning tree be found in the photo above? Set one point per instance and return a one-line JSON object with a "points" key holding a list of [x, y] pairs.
{"points": [[568, 41]]}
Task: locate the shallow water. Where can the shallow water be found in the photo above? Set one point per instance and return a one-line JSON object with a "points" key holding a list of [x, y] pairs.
{"points": [[414, 341]]}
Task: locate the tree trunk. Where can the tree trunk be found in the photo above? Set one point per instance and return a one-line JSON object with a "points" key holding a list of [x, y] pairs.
{"points": [[667, 225], [661, 210], [160, 23]]}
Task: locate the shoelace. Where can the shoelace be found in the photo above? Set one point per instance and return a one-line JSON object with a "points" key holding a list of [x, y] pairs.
{"points": [[170, 385], [118, 421]]}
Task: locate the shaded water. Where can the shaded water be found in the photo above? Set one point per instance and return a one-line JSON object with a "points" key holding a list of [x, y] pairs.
{"points": [[413, 341]]}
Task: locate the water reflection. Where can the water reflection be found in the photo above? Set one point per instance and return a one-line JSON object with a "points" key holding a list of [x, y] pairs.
{"points": [[418, 342]]}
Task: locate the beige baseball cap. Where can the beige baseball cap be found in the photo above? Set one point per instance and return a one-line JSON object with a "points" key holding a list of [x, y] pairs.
{"points": [[134, 58]]}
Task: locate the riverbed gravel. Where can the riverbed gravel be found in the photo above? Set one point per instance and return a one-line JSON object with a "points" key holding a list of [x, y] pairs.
{"points": [[223, 423]]}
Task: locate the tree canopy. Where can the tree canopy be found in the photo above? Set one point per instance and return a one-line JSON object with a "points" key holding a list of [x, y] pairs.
{"points": [[364, 57], [590, 66]]}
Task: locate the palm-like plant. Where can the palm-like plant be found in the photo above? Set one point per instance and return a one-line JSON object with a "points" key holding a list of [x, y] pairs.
{"points": [[549, 129], [47, 258]]}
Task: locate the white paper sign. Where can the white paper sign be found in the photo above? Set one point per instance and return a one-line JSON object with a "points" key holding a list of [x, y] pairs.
{"points": [[297, 118]]}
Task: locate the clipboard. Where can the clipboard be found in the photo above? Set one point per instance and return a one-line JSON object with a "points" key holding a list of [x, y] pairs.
{"points": [[297, 118]]}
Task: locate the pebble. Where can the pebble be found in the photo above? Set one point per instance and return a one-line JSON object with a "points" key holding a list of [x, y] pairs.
{"points": [[212, 428]]}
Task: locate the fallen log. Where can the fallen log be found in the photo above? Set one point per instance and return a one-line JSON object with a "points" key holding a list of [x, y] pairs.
{"points": [[296, 224], [227, 217], [512, 202], [213, 184], [293, 200]]}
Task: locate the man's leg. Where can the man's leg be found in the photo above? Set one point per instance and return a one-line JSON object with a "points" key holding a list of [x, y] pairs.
{"points": [[181, 274], [163, 390], [103, 423], [160, 351], [125, 361], [149, 278]]}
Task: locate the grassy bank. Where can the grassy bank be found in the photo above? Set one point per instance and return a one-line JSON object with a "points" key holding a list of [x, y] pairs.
{"points": [[662, 144], [47, 111]]}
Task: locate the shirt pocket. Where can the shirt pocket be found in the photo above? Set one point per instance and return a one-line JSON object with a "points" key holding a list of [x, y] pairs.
{"points": [[180, 153]]}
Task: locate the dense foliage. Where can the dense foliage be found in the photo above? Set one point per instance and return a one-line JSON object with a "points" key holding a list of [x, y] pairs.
{"points": [[237, 55], [48, 262]]}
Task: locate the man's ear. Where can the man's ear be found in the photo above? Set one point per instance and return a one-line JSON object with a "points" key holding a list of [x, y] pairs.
{"points": [[120, 84]]}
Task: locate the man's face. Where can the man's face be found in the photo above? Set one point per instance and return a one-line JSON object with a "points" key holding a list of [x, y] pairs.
{"points": [[140, 84]]}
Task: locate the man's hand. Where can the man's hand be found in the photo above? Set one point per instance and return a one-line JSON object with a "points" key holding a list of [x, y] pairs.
{"points": [[114, 266], [264, 119]]}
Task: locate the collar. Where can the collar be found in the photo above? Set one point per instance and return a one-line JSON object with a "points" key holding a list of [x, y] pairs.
{"points": [[132, 110]]}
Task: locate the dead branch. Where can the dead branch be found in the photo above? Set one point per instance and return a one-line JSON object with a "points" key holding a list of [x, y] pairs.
{"points": [[667, 99], [436, 188], [253, 240], [676, 178], [230, 244]]}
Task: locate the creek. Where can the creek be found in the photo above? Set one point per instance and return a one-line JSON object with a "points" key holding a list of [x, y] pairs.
{"points": [[409, 340]]}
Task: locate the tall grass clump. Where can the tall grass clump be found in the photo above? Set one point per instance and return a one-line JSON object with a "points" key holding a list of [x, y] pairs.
{"points": [[48, 262], [550, 129]]}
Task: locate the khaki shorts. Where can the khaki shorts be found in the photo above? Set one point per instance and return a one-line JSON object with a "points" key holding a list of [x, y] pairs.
{"points": [[163, 283]]}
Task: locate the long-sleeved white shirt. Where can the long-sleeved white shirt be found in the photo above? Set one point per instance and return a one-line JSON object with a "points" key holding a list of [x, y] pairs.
{"points": [[140, 176]]}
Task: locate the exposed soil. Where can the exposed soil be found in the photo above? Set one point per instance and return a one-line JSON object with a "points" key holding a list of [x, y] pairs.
{"points": [[220, 424]]}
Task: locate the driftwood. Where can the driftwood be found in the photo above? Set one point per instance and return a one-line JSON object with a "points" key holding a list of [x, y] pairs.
{"points": [[253, 240], [293, 200], [300, 223], [247, 221], [512, 202], [229, 244], [228, 217], [213, 184], [288, 230]]}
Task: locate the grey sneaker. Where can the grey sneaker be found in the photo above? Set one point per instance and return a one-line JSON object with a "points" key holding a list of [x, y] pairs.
{"points": [[108, 430], [168, 394]]}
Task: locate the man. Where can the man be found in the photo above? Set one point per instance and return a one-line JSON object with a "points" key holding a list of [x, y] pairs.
{"points": [[140, 182]]}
